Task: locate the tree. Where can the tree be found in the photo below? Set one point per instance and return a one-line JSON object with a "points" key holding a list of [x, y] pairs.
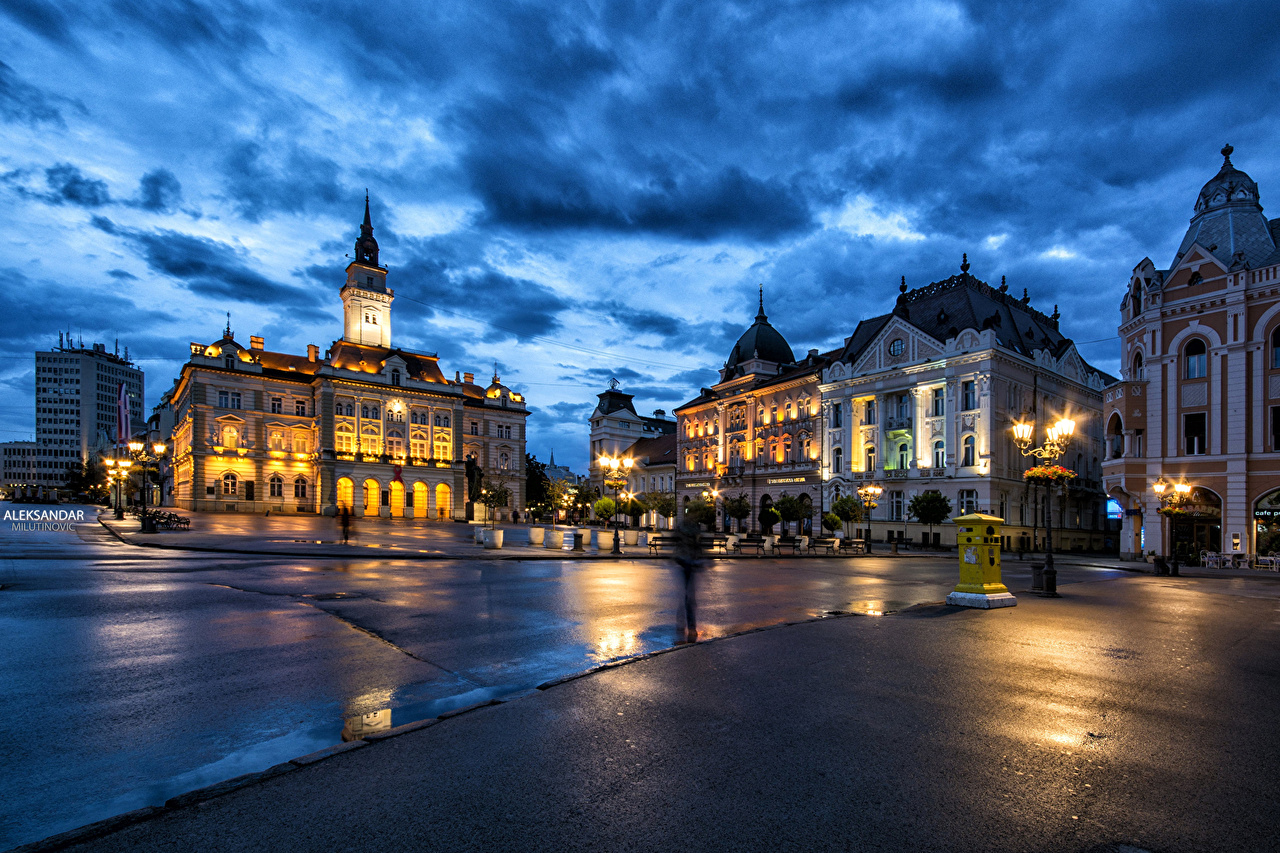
{"points": [[535, 482], [89, 480], [701, 512], [663, 503], [559, 493], [791, 509], [635, 508], [831, 521], [929, 508], [605, 508], [849, 510], [495, 495], [768, 518], [738, 508]]}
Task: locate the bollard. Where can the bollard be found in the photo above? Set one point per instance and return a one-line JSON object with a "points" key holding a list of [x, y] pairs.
{"points": [[1050, 583], [1173, 567], [1037, 577], [577, 541], [1161, 566]]}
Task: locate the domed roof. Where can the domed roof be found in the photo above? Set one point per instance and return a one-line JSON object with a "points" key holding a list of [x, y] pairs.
{"points": [[761, 341], [1229, 186]]}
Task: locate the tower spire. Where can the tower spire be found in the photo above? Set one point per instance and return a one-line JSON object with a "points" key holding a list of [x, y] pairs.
{"points": [[761, 315], [226, 333], [366, 246]]}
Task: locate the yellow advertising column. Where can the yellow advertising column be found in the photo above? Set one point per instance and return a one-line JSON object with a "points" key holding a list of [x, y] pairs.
{"points": [[979, 539]]}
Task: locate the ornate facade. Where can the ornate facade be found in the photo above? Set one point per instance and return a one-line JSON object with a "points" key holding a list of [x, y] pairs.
{"points": [[758, 431], [1198, 401], [924, 399], [377, 429]]}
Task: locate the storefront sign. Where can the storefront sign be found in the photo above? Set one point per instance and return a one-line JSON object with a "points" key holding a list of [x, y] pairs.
{"points": [[778, 480], [695, 485]]}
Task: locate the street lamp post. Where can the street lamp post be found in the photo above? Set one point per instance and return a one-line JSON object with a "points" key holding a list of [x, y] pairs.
{"points": [[1180, 494], [615, 470], [144, 456], [712, 495], [869, 494], [1055, 444], [118, 471]]}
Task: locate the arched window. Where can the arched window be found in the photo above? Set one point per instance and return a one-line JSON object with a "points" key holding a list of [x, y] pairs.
{"points": [[837, 460], [1139, 368], [277, 440], [1275, 348], [939, 455], [395, 443], [301, 443], [337, 409], [1195, 357], [276, 484], [786, 448], [300, 487], [364, 411], [230, 436], [790, 412], [351, 410], [904, 457], [343, 440], [969, 446], [373, 412], [871, 457], [446, 420], [230, 484]]}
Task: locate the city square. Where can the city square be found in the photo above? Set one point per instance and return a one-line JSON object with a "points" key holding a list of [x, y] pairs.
{"points": [[723, 425]]}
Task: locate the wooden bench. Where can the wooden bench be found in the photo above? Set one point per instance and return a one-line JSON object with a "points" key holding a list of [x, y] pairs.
{"points": [[750, 543], [828, 544], [657, 543], [853, 546]]}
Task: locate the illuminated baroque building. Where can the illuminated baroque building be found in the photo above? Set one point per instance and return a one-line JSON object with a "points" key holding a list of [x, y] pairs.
{"points": [[1198, 401], [924, 398], [920, 399], [616, 429], [367, 425], [758, 431]]}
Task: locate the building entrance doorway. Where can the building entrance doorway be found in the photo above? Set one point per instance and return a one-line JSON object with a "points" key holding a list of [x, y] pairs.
{"points": [[1196, 525]]}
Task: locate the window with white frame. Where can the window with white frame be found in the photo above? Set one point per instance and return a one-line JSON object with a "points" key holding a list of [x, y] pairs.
{"points": [[277, 405], [968, 395], [969, 451], [837, 460], [300, 487], [230, 484], [276, 486], [939, 455], [968, 500], [871, 457], [897, 501]]}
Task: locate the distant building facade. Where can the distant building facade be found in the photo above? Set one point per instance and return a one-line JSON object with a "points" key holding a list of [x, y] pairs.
{"points": [[19, 458], [368, 427], [1198, 401]]}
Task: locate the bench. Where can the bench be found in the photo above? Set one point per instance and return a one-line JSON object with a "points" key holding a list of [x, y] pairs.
{"points": [[853, 546], [828, 544], [657, 543], [750, 543]]}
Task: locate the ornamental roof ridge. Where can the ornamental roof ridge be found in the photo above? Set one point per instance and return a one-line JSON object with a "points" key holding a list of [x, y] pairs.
{"points": [[966, 279]]}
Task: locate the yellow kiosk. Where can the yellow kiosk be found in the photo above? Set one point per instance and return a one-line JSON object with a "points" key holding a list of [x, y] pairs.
{"points": [[978, 537]]}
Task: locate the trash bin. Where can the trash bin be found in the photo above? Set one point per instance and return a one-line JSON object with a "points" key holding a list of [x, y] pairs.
{"points": [[1037, 577]]}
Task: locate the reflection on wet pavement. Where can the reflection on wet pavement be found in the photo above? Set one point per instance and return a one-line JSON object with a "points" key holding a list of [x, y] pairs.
{"points": [[232, 665]]}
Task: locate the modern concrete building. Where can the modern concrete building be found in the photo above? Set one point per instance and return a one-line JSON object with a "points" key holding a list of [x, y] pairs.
{"points": [[1198, 401]]}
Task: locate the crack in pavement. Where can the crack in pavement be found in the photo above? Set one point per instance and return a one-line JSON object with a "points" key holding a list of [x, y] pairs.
{"points": [[301, 599]]}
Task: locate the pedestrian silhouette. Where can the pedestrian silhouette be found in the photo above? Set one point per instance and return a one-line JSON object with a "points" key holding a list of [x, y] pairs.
{"points": [[688, 557], [344, 519]]}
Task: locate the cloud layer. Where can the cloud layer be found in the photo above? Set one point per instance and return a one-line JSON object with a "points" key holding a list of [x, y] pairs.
{"points": [[581, 191]]}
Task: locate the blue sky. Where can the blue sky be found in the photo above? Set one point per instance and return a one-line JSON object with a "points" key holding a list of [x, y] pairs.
{"points": [[585, 190]]}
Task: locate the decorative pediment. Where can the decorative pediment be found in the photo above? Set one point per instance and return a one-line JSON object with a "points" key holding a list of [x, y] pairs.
{"points": [[230, 420], [899, 342]]}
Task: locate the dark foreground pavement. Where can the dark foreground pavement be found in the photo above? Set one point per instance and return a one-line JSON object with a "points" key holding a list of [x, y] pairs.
{"points": [[1137, 712]]}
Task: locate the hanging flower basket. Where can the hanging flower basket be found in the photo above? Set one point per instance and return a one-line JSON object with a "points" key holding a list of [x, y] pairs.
{"points": [[1175, 512], [1048, 474]]}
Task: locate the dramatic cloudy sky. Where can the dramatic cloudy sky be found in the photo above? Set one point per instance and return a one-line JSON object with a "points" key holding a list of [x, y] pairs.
{"points": [[585, 190]]}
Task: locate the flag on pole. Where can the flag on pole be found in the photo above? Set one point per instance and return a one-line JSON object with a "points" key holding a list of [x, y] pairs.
{"points": [[123, 433]]}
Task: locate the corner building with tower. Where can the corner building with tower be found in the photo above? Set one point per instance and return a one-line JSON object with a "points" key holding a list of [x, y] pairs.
{"points": [[367, 426], [1198, 401]]}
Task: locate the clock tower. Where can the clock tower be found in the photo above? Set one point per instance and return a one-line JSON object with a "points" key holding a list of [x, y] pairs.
{"points": [[366, 301]]}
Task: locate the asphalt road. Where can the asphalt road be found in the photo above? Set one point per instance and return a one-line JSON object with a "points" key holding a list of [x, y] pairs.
{"points": [[131, 675]]}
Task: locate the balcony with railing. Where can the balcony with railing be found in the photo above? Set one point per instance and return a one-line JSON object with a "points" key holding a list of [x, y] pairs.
{"points": [[898, 422]]}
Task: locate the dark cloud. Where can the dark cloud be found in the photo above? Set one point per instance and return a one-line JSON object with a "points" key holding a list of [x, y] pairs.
{"points": [[159, 191], [24, 103], [122, 275], [43, 19], [290, 180], [67, 184], [97, 313], [214, 270]]}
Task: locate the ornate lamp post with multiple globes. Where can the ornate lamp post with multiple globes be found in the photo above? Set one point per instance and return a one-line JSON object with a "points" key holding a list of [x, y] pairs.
{"points": [[711, 496], [1055, 444], [869, 495], [145, 456], [615, 470], [1168, 503], [118, 471]]}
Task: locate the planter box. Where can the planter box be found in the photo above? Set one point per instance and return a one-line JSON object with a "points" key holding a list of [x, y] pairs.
{"points": [[492, 538], [630, 537], [554, 540], [604, 540], [536, 534]]}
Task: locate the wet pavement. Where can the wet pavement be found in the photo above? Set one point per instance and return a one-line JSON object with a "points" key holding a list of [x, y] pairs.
{"points": [[133, 674]]}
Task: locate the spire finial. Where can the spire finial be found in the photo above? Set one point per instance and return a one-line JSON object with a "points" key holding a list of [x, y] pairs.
{"points": [[964, 262], [760, 315], [495, 373], [1026, 297], [1055, 314], [1226, 154], [226, 333], [902, 288], [1004, 288], [368, 222]]}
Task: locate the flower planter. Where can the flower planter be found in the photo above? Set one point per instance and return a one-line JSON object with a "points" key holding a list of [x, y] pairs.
{"points": [[492, 538], [630, 537], [604, 540], [536, 534], [554, 540]]}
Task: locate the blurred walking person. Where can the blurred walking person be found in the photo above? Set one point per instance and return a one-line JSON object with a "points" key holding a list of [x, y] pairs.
{"points": [[344, 520], [688, 557]]}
